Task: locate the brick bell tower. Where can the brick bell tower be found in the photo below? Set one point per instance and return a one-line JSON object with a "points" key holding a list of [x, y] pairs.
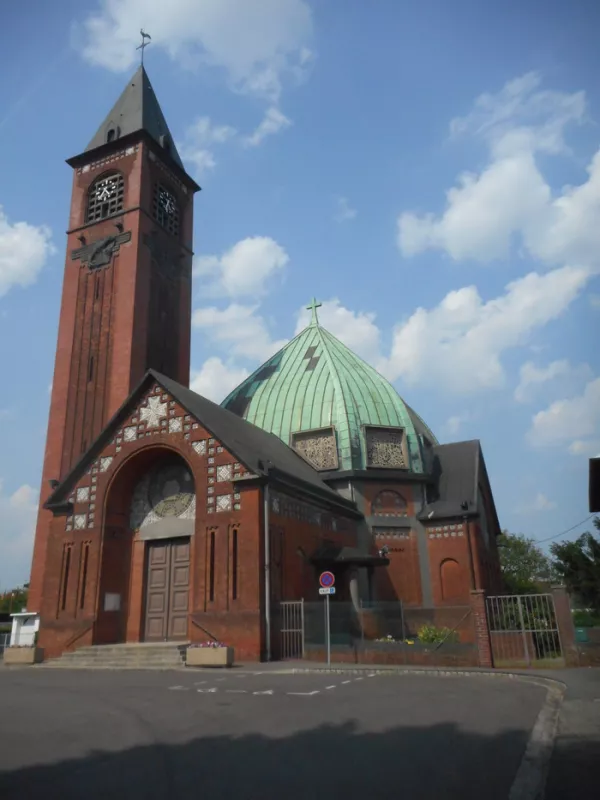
{"points": [[126, 299]]}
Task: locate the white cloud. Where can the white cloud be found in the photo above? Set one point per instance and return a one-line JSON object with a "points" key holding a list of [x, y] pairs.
{"points": [[455, 423], [573, 420], [24, 249], [510, 201], [238, 330], [589, 449], [344, 211], [459, 343], [215, 379], [540, 503], [244, 270], [198, 143], [356, 329], [255, 42], [532, 377], [17, 527], [273, 122]]}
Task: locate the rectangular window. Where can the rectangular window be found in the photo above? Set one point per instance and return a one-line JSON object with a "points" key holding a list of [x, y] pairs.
{"points": [[85, 555], [234, 564], [211, 561], [64, 584]]}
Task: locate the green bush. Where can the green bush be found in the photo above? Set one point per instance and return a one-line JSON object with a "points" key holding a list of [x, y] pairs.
{"points": [[429, 634], [583, 618]]}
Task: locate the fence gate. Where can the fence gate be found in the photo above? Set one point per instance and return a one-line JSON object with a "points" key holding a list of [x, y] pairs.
{"points": [[292, 629], [524, 630]]}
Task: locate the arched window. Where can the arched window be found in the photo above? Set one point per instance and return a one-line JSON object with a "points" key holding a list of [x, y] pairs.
{"points": [[105, 197], [389, 504], [452, 580]]}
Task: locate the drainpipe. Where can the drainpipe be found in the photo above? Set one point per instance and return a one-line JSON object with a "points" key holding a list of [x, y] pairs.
{"points": [[267, 571], [470, 546]]}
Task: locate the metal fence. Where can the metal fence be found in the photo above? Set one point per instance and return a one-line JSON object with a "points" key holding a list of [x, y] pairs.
{"points": [[290, 630], [379, 632], [524, 630]]}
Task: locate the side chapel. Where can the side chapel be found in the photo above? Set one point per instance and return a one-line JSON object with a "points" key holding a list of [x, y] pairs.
{"points": [[166, 517]]}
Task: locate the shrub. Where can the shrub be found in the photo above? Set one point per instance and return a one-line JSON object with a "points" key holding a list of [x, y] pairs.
{"points": [[429, 634], [585, 618]]}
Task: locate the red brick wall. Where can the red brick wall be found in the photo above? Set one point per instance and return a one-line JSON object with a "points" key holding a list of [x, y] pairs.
{"points": [[449, 563], [104, 314]]}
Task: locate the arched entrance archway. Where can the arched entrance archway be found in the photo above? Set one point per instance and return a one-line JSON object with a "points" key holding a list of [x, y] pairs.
{"points": [[150, 514]]}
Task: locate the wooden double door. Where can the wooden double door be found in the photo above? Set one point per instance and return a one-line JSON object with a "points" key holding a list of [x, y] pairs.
{"points": [[167, 590]]}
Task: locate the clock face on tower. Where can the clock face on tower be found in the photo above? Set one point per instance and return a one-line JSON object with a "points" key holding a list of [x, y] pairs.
{"points": [[166, 210], [106, 189], [167, 201]]}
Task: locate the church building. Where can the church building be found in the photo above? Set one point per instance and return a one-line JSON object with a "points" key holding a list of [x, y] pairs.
{"points": [[166, 517]]}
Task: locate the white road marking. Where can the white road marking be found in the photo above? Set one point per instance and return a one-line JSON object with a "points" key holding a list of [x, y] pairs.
{"points": [[305, 694], [268, 691], [236, 691], [330, 687], [346, 681], [359, 679], [179, 688], [372, 675], [207, 690]]}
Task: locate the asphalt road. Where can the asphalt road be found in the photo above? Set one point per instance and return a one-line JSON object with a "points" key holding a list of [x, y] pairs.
{"points": [[146, 735]]}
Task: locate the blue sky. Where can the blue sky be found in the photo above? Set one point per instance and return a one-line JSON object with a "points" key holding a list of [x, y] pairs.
{"points": [[426, 170]]}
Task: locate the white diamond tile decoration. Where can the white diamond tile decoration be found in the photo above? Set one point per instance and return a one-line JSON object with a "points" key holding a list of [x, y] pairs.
{"points": [[200, 447], [224, 472], [175, 425], [83, 494], [130, 434], [224, 502], [153, 412], [79, 521], [105, 463]]}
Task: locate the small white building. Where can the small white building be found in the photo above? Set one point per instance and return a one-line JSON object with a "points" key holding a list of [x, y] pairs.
{"points": [[25, 625]]}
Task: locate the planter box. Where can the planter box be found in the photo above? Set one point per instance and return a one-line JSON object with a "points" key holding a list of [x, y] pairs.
{"points": [[209, 657], [23, 655]]}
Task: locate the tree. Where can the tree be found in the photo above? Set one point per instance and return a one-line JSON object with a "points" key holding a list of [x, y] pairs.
{"points": [[525, 567], [14, 599], [578, 565]]}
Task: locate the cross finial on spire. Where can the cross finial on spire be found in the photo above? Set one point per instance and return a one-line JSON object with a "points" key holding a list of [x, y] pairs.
{"points": [[144, 43], [313, 309]]}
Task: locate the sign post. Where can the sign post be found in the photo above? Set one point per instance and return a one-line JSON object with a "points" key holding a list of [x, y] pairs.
{"points": [[327, 587]]}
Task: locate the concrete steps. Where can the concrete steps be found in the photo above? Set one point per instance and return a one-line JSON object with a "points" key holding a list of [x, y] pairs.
{"points": [[167, 655]]}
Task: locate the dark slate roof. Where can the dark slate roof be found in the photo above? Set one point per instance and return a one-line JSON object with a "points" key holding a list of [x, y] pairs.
{"points": [[455, 474], [261, 452], [137, 109], [332, 554]]}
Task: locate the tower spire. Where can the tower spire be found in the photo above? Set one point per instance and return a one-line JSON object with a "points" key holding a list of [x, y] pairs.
{"points": [[312, 307], [144, 43]]}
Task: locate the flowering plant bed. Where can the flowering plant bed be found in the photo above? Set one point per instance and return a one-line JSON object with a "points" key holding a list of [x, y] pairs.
{"points": [[23, 654], [209, 654]]}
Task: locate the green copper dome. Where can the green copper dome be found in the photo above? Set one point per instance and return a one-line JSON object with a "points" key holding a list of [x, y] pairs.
{"points": [[337, 411]]}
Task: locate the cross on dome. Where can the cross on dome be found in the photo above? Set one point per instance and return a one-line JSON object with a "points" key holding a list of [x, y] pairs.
{"points": [[313, 309]]}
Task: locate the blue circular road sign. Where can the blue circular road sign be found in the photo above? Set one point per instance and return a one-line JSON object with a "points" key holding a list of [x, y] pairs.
{"points": [[326, 579]]}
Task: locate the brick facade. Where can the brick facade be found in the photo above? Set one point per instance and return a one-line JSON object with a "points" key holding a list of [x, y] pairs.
{"points": [[93, 552], [118, 320]]}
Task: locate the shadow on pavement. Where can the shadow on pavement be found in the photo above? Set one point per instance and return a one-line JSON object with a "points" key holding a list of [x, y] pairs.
{"points": [[340, 761]]}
